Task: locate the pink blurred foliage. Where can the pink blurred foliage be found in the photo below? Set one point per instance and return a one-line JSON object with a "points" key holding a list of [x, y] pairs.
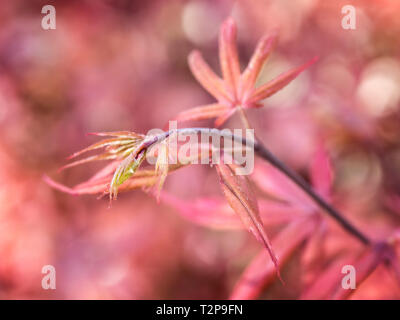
{"points": [[123, 66]]}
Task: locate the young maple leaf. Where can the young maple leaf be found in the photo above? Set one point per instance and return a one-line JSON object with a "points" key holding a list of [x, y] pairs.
{"points": [[118, 147], [235, 90], [124, 148], [127, 150]]}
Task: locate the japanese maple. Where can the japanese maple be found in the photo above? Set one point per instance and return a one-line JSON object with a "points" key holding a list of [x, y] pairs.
{"points": [[284, 191]]}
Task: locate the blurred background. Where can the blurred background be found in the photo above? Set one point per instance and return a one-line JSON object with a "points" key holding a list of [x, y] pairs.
{"points": [[121, 65]]}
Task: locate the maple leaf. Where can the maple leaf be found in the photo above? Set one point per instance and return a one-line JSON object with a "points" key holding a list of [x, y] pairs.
{"points": [[118, 147], [99, 183], [216, 213], [127, 150], [321, 172], [305, 224], [241, 198], [235, 90], [328, 285], [257, 276]]}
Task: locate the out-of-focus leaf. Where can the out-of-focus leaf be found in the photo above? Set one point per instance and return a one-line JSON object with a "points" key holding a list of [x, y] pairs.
{"points": [[228, 55], [324, 284], [279, 82], [241, 198], [321, 172], [329, 284], [106, 172], [216, 213], [364, 266], [392, 202], [260, 55], [203, 112], [235, 90], [276, 185], [260, 272], [206, 77], [315, 252]]}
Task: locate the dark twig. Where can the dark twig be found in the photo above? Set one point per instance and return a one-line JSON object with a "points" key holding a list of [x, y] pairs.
{"points": [[267, 155], [264, 153]]}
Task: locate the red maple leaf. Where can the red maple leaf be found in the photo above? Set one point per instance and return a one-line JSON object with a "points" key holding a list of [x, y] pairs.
{"points": [[235, 90]]}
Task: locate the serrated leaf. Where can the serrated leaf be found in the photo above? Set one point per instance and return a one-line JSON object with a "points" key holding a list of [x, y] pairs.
{"points": [[241, 198]]}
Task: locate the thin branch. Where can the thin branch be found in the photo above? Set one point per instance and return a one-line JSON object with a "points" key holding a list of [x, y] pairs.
{"points": [[264, 153], [267, 155]]}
